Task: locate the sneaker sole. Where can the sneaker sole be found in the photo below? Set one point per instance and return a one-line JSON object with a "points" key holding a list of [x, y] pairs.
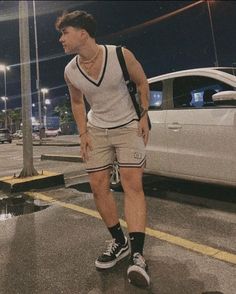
{"points": [[137, 276], [112, 263]]}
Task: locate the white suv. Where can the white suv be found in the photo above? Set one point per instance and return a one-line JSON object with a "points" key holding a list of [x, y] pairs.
{"points": [[193, 135]]}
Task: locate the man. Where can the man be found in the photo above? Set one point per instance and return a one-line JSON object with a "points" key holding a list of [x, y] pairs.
{"points": [[110, 129]]}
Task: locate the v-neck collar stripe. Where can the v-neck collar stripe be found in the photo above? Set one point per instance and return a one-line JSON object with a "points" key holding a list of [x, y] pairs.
{"points": [[103, 71]]}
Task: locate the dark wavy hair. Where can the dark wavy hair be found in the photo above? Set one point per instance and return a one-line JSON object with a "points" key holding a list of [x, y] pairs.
{"points": [[77, 19]]}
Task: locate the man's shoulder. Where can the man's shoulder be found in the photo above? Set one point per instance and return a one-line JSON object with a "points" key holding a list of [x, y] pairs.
{"points": [[71, 64], [111, 47]]}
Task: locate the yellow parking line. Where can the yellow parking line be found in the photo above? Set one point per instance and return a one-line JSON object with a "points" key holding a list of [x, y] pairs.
{"points": [[203, 249]]}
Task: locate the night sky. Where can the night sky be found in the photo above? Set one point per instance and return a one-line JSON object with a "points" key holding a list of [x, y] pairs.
{"points": [[180, 41]]}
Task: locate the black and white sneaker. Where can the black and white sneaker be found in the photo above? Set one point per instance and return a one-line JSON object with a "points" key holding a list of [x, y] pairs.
{"points": [[137, 271], [114, 253]]}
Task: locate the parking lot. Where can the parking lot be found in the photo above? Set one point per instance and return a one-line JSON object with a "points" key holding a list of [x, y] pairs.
{"points": [[190, 242]]}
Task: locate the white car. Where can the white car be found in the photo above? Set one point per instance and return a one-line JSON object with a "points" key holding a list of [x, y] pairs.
{"points": [[53, 132], [193, 135], [193, 132]]}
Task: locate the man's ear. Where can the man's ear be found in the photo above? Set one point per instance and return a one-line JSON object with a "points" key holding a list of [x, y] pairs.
{"points": [[84, 34]]}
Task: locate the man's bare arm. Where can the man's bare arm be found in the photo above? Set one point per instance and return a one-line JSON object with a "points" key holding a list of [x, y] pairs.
{"points": [[138, 76], [78, 107]]}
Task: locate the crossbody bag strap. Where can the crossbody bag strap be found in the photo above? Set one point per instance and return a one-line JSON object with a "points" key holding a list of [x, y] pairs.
{"points": [[130, 85], [122, 63]]}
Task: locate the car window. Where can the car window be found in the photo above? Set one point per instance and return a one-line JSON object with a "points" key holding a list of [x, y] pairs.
{"points": [[196, 91], [155, 95]]}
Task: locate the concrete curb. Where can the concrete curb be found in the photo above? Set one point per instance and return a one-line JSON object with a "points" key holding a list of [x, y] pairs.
{"points": [[47, 179], [70, 158], [64, 144]]}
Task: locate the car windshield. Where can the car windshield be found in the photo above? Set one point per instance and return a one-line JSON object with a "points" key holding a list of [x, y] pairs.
{"points": [[3, 131]]}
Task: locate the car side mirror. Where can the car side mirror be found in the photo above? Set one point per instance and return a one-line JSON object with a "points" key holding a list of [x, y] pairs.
{"points": [[225, 98]]}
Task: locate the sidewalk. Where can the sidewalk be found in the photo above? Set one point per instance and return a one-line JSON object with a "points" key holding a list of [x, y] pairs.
{"points": [[64, 140], [12, 184]]}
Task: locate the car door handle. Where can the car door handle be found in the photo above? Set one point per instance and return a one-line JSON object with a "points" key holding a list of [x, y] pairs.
{"points": [[174, 126]]}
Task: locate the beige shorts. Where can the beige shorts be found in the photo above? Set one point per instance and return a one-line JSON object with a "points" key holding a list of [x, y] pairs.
{"points": [[122, 144]]}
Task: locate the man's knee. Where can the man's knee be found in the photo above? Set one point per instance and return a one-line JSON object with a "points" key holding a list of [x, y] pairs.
{"points": [[131, 180], [99, 182]]}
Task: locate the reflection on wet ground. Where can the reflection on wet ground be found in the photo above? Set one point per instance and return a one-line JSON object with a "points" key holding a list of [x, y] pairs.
{"points": [[202, 190], [194, 193], [14, 205]]}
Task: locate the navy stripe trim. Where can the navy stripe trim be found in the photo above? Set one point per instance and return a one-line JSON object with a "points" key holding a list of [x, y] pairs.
{"points": [[90, 170], [103, 73], [133, 164]]}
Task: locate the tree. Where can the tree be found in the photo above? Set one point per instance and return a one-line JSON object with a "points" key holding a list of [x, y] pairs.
{"points": [[64, 112], [15, 117], [28, 168]]}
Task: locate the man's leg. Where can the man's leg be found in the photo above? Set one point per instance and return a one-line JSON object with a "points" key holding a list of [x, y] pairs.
{"points": [[100, 185], [135, 203], [135, 213], [118, 248]]}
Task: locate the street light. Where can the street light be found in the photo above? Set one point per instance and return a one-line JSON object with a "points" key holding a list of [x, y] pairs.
{"points": [[47, 101], [4, 98], [212, 33], [44, 91], [4, 69]]}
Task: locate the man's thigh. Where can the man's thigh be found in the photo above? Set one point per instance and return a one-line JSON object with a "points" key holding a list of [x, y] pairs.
{"points": [[101, 156], [130, 148]]}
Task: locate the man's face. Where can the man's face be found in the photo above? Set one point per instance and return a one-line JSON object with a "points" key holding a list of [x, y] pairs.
{"points": [[71, 39]]}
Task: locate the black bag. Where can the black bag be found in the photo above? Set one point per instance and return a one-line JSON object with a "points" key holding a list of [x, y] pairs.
{"points": [[130, 84]]}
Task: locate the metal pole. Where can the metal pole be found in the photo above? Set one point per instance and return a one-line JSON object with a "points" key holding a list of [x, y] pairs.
{"points": [[5, 91], [5, 104], [213, 35], [28, 168], [5, 81], [37, 72], [44, 111]]}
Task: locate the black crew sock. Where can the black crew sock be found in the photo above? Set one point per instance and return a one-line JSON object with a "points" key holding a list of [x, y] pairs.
{"points": [[137, 242], [117, 234]]}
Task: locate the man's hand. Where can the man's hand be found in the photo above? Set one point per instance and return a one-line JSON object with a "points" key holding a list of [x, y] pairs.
{"points": [[143, 128], [85, 146]]}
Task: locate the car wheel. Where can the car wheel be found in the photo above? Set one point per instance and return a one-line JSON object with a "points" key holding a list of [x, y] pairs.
{"points": [[115, 183]]}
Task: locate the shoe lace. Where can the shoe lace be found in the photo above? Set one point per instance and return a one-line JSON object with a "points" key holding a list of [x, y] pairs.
{"points": [[139, 260], [111, 247]]}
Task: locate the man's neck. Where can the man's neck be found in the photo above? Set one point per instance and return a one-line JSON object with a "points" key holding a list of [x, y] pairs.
{"points": [[88, 51]]}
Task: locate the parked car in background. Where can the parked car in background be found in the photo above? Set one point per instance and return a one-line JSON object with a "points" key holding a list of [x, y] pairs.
{"points": [[193, 116], [52, 132], [5, 136], [18, 134]]}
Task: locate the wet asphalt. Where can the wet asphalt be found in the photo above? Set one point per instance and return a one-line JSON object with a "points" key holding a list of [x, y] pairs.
{"points": [[53, 250]]}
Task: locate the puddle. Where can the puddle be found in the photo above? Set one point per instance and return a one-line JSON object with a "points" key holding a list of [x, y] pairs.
{"points": [[11, 206]]}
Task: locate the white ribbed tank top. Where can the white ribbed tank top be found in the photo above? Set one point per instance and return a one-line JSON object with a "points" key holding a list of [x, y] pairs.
{"points": [[108, 97]]}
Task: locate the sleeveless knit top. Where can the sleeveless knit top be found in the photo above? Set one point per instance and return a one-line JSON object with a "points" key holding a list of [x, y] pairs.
{"points": [[108, 97]]}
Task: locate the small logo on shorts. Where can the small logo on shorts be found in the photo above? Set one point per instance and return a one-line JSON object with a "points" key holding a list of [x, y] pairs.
{"points": [[137, 155]]}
